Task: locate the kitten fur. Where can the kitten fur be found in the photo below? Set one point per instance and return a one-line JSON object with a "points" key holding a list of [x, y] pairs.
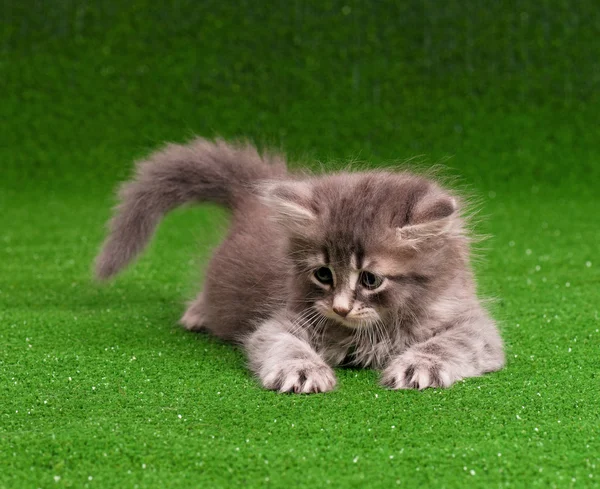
{"points": [[368, 269]]}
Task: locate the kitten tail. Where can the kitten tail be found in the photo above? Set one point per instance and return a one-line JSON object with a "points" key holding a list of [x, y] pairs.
{"points": [[201, 171]]}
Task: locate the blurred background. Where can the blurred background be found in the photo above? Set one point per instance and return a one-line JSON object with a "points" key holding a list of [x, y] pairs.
{"points": [[505, 92]]}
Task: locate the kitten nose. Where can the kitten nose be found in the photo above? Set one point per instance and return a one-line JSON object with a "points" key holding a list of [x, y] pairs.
{"points": [[341, 311]]}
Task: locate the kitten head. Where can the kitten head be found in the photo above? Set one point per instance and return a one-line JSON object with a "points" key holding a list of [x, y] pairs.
{"points": [[368, 247]]}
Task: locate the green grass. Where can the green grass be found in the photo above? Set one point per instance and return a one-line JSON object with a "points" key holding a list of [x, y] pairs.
{"points": [[98, 385]]}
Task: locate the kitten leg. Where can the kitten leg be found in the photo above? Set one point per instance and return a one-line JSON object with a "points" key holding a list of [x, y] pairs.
{"points": [[285, 361], [463, 350], [194, 317]]}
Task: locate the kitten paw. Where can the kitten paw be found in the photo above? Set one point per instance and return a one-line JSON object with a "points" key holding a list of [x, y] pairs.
{"points": [[300, 377], [192, 321], [194, 317], [410, 371]]}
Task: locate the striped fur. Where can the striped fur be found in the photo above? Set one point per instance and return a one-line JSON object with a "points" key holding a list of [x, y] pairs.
{"points": [[369, 269]]}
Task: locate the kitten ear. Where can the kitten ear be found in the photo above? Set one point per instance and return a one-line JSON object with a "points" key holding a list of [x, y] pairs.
{"points": [[433, 207], [290, 202], [433, 216]]}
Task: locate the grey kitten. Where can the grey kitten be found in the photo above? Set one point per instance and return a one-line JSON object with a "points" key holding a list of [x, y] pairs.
{"points": [[368, 269]]}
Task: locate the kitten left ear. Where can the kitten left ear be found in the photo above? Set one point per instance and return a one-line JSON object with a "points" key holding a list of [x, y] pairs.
{"points": [[433, 216], [433, 207], [290, 202]]}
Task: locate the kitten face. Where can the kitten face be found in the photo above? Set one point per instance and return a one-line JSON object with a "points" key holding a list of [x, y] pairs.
{"points": [[355, 289], [347, 291], [366, 248]]}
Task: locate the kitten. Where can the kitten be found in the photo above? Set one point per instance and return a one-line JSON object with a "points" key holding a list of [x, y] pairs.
{"points": [[368, 269]]}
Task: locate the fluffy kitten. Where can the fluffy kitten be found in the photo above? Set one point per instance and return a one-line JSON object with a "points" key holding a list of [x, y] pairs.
{"points": [[368, 269]]}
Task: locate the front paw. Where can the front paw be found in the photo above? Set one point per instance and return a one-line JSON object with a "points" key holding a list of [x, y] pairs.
{"points": [[414, 371], [301, 377]]}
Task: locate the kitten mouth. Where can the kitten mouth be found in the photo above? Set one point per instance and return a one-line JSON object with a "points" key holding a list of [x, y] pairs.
{"points": [[350, 322]]}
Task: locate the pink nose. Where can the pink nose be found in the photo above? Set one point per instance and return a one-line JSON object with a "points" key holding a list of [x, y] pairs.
{"points": [[341, 311]]}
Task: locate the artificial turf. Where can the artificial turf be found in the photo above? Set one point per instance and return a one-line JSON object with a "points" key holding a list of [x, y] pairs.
{"points": [[98, 385]]}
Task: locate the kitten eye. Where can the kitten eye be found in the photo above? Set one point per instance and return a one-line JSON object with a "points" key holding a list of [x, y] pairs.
{"points": [[370, 280], [324, 275]]}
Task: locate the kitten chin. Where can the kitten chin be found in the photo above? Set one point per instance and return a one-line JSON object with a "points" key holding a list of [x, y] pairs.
{"points": [[370, 268]]}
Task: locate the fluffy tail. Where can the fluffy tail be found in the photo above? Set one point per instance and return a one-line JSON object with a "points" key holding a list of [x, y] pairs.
{"points": [[201, 171]]}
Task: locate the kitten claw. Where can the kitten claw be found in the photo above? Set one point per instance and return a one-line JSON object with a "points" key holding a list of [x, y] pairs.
{"points": [[301, 379], [414, 372]]}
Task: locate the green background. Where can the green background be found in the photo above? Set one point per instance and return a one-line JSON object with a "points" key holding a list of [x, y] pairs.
{"points": [[98, 385]]}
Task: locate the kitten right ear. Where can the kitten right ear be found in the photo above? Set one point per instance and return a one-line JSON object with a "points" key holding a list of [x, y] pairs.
{"points": [[290, 202]]}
